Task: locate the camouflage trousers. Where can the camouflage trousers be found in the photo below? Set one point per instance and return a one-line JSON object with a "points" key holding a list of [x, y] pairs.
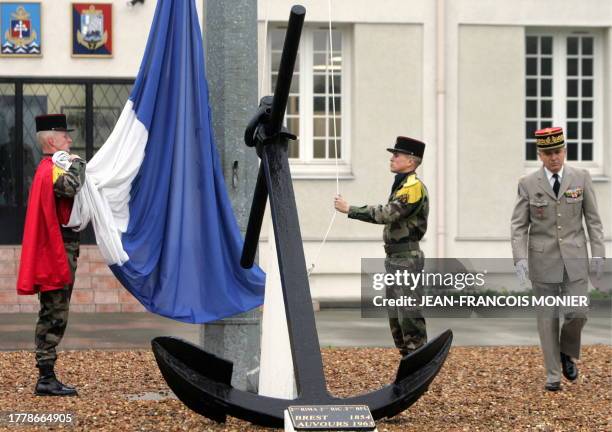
{"points": [[407, 324], [53, 314]]}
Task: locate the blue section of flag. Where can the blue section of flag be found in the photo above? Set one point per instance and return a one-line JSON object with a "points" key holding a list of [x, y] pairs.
{"points": [[182, 240]]}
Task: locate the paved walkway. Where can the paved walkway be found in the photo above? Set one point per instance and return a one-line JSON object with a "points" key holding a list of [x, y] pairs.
{"points": [[337, 327]]}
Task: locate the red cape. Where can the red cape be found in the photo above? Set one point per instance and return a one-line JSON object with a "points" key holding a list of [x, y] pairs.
{"points": [[44, 263]]}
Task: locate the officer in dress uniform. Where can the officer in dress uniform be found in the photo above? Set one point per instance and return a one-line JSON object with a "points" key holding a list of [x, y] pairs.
{"points": [[405, 220], [50, 250], [549, 247]]}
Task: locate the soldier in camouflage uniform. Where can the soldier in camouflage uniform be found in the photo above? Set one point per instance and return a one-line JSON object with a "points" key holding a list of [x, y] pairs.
{"points": [[68, 175], [405, 220]]}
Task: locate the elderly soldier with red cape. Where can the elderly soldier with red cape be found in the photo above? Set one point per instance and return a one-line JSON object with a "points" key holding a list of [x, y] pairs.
{"points": [[50, 250]]}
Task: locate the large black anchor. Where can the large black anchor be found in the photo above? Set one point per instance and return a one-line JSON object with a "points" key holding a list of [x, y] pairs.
{"points": [[202, 380]]}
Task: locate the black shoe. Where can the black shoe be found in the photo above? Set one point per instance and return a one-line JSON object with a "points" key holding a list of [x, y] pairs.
{"points": [[49, 385], [555, 386], [570, 370]]}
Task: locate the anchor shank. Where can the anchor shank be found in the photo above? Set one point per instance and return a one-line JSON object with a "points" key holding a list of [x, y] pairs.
{"points": [[307, 361], [272, 147]]}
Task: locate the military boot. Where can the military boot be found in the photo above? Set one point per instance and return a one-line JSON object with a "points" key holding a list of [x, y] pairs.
{"points": [[49, 385]]}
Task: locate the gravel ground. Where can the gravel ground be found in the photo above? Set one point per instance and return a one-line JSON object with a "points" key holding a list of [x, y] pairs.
{"points": [[478, 389]]}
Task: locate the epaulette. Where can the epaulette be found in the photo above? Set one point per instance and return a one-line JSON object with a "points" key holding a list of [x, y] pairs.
{"points": [[57, 172], [411, 192]]}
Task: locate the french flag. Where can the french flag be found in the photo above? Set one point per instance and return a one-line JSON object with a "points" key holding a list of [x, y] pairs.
{"points": [[155, 191]]}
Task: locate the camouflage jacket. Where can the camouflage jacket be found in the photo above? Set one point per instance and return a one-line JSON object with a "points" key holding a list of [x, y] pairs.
{"points": [[66, 184], [404, 216]]}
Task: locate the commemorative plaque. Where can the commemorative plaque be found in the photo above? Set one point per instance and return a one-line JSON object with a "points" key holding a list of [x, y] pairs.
{"points": [[329, 418]]}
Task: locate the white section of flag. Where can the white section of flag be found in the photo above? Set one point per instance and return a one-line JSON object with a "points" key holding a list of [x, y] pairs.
{"points": [[103, 200]]}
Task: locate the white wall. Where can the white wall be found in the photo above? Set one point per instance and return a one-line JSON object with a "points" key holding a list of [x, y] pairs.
{"points": [[348, 11], [490, 156], [130, 29]]}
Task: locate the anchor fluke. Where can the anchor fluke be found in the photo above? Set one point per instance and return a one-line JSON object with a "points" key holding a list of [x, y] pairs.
{"points": [[175, 355], [201, 381], [414, 375], [419, 359]]}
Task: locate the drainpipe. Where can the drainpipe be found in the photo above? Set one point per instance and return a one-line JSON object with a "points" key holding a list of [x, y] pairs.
{"points": [[440, 130]]}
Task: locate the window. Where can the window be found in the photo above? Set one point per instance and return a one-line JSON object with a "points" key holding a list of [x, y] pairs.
{"points": [[91, 106], [318, 101], [563, 78]]}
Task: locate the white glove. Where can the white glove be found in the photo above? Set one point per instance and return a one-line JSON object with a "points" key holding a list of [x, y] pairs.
{"points": [[597, 267], [522, 271], [62, 159]]}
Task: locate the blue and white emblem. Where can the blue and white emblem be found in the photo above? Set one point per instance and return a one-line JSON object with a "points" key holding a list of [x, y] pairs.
{"points": [[20, 22], [91, 33]]}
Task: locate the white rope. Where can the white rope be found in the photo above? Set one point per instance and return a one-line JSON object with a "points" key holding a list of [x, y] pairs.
{"points": [[331, 58], [334, 119], [329, 227]]}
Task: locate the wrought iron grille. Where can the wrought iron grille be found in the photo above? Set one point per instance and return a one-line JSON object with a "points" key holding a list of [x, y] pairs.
{"points": [[8, 195], [108, 101]]}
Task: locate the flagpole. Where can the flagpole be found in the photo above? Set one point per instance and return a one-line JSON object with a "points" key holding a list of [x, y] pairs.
{"points": [[230, 41]]}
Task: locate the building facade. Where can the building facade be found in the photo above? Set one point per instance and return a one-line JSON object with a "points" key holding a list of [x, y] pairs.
{"points": [[471, 78]]}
